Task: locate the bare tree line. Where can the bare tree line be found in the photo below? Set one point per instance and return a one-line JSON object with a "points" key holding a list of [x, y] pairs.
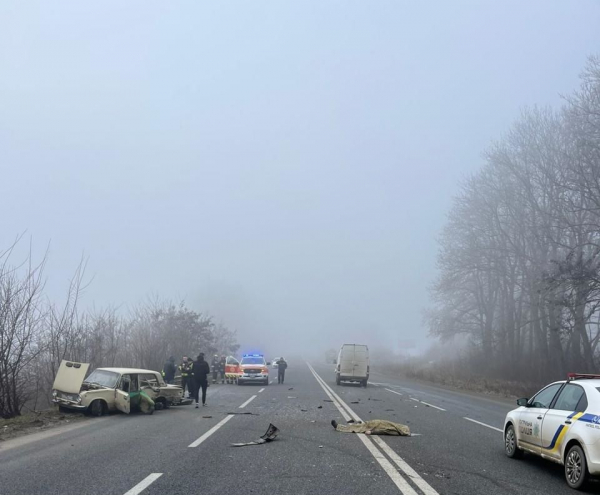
{"points": [[519, 260], [36, 334]]}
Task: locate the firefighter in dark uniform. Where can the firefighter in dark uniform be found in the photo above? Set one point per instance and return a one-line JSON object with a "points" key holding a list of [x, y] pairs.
{"points": [[222, 365], [186, 375], [215, 368], [168, 371]]}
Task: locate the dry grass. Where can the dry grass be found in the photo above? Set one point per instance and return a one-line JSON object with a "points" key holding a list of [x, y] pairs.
{"points": [[34, 422], [450, 375]]}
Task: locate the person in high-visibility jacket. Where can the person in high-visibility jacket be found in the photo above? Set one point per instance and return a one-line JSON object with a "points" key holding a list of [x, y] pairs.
{"points": [[186, 375]]}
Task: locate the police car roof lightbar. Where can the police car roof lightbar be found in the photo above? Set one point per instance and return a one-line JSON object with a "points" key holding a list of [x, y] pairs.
{"points": [[577, 376], [252, 355]]}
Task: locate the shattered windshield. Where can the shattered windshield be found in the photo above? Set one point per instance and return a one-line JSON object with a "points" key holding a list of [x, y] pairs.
{"points": [[104, 378]]}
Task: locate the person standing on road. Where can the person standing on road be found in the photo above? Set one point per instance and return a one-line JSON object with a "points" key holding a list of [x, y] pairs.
{"points": [[186, 376], [200, 370], [215, 368], [222, 366], [281, 367], [169, 370]]}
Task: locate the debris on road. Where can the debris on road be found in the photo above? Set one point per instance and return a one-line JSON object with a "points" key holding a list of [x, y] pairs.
{"points": [[320, 407], [388, 410], [206, 417], [247, 413], [320, 446], [374, 427], [355, 402], [269, 436], [291, 388], [327, 400], [304, 410], [376, 400], [290, 397]]}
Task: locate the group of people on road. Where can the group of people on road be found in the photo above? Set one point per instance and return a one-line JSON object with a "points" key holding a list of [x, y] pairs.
{"points": [[218, 367], [194, 376]]}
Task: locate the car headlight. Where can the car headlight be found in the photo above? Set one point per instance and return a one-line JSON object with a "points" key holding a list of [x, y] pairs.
{"points": [[78, 400], [54, 393]]}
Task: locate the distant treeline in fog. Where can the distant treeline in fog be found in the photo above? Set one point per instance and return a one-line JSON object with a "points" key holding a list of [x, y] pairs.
{"points": [[36, 334], [519, 259]]}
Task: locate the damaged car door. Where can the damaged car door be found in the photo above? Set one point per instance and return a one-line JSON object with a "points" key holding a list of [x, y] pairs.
{"points": [[122, 399]]}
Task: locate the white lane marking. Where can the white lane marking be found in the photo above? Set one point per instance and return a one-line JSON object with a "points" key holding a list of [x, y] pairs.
{"points": [[348, 413], [402, 464], [387, 466], [427, 404], [261, 390], [211, 431], [145, 483], [393, 391], [248, 401], [270, 382], [483, 424]]}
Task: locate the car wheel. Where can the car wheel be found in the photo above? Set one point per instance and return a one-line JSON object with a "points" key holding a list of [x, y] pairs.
{"points": [[97, 408], [364, 383], [510, 443], [576, 467], [239, 382], [266, 382]]}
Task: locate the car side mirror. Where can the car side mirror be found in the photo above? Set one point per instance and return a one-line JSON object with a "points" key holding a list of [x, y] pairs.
{"points": [[522, 402]]}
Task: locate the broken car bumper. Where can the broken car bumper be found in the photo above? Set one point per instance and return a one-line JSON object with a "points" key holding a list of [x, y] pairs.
{"points": [[69, 405]]}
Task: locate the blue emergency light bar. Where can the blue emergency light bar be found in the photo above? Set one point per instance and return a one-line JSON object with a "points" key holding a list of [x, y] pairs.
{"points": [[252, 355]]}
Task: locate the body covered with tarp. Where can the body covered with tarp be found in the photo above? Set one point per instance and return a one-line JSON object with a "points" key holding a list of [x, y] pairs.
{"points": [[376, 427]]}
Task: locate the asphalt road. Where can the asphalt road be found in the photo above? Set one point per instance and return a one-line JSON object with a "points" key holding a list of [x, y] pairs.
{"points": [[178, 451]]}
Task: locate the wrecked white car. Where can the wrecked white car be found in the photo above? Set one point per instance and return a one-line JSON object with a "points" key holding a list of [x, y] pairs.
{"points": [[111, 389]]}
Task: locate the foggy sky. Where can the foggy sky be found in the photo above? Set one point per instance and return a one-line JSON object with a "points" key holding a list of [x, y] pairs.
{"points": [[286, 166]]}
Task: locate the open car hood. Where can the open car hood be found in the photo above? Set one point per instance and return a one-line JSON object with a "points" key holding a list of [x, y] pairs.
{"points": [[70, 376]]}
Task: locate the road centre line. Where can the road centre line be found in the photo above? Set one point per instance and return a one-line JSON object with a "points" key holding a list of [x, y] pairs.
{"points": [[393, 391], [209, 433], [386, 465], [248, 401], [393, 473], [427, 404], [261, 390], [402, 464], [145, 483], [483, 424]]}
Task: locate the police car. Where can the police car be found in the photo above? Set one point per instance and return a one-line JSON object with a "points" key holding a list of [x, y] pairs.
{"points": [[560, 423], [253, 369]]}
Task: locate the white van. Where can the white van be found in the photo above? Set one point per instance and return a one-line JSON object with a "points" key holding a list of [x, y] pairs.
{"points": [[353, 364]]}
